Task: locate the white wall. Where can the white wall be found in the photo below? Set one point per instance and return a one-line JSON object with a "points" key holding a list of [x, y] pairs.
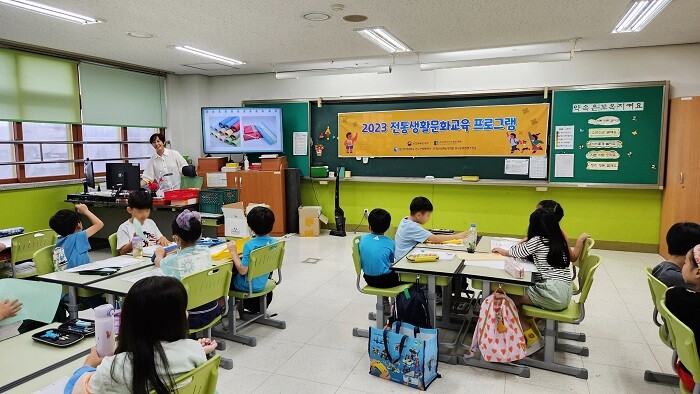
{"points": [[679, 64]]}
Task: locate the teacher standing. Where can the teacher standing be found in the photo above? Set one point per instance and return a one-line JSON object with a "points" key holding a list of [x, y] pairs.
{"points": [[165, 166]]}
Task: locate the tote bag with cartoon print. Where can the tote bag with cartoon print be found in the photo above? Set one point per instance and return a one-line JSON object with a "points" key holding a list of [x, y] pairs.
{"points": [[499, 335]]}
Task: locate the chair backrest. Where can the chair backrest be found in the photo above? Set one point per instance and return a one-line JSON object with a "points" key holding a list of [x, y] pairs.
{"points": [[583, 261], [201, 380], [43, 260], [265, 260], [356, 255], [657, 288], [191, 182], [113, 244], [593, 261], [24, 246], [683, 340], [208, 285]]}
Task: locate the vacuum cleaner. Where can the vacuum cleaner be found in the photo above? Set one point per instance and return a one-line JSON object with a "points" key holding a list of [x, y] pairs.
{"points": [[339, 214]]}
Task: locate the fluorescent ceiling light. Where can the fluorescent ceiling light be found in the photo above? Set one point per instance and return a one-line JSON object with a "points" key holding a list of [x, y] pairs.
{"points": [[640, 13], [333, 71], [208, 55], [384, 39], [542, 58], [51, 11]]}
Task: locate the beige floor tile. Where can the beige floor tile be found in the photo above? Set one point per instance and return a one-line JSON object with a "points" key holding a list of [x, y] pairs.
{"points": [[320, 364], [614, 379], [286, 384]]}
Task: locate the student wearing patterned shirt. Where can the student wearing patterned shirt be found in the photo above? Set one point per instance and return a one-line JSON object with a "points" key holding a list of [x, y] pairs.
{"points": [[192, 258], [548, 249]]}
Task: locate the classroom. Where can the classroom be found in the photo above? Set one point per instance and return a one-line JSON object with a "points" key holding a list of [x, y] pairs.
{"points": [[308, 196]]}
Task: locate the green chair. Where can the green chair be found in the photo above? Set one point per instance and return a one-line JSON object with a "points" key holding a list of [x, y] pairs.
{"points": [[24, 246], [201, 380], [263, 261], [113, 245], [382, 294], [191, 182], [43, 261], [683, 340], [658, 293], [580, 263], [574, 314], [207, 286]]}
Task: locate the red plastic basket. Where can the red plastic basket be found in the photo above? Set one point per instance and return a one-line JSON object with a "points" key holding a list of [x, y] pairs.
{"points": [[182, 194]]}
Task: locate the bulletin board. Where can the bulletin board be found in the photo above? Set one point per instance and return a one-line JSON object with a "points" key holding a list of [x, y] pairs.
{"points": [[609, 135]]}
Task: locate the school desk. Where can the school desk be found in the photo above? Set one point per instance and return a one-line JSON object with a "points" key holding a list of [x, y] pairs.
{"points": [[24, 359], [63, 372], [74, 281]]}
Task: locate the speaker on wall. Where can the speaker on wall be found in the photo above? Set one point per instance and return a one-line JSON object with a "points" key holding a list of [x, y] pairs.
{"points": [[293, 198]]}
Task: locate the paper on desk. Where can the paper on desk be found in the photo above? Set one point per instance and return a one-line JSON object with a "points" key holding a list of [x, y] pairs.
{"points": [[119, 262], [56, 387], [441, 255], [503, 243], [480, 256], [39, 299], [147, 274]]}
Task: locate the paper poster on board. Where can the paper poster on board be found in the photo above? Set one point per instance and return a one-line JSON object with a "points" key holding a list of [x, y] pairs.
{"points": [[564, 165]]}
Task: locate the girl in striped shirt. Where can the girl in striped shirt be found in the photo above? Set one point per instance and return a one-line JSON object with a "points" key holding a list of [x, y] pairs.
{"points": [[547, 247]]}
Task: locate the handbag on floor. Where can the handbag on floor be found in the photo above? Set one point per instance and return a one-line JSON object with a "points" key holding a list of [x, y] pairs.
{"points": [[404, 354], [498, 334]]}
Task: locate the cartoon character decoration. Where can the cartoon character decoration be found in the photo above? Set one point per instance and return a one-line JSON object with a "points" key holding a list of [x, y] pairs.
{"points": [[319, 149], [349, 142], [326, 135], [535, 141], [514, 142]]}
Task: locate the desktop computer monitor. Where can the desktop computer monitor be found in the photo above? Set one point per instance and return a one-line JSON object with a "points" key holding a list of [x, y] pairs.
{"points": [[123, 176], [89, 176]]}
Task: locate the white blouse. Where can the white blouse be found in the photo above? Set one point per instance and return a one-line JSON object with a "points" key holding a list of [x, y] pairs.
{"points": [[157, 168]]}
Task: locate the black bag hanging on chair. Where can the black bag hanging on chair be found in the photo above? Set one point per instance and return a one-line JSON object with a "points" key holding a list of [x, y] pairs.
{"points": [[412, 308]]}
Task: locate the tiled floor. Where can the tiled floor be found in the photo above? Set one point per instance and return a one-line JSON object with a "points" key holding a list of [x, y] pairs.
{"points": [[317, 352]]}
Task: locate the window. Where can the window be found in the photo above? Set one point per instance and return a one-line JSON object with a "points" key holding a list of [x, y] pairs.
{"points": [[6, 151], [47, 132], [140, 150], [109, 150]]}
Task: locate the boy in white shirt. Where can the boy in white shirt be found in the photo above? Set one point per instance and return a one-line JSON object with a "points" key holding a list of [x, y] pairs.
{"points": [[140, 204]]}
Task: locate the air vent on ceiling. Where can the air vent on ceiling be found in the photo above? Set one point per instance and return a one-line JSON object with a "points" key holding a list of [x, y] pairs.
{"points": [[214, 66]]}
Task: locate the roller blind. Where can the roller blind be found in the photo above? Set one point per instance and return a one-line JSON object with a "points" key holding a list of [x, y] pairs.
{"points": [[38, 88], [113, 97]]}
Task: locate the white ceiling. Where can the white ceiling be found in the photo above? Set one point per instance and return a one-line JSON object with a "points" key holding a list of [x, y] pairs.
{"points": [[264, 33]]}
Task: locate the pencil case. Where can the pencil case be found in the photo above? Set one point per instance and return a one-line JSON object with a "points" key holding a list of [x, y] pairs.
{"points": [[422, 258], [514, 268], [83, 327], [57, 337]]}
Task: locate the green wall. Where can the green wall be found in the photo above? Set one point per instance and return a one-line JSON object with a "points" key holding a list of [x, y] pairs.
{"points": [[32, 208], [615, 215]]}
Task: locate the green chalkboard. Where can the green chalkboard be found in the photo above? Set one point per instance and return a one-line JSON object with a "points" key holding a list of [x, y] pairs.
{"points": [[614, 135], [295, 118], [439, 167]]}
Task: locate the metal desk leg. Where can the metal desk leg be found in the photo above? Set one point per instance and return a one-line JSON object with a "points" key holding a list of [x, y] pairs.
{"points": [[111, 299], [432, 304], [72, 302]]}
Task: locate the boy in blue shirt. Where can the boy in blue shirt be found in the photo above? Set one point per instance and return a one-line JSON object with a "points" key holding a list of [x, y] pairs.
{"points": [[260, 220], [72, 245], [410, 232], [377, 252]]}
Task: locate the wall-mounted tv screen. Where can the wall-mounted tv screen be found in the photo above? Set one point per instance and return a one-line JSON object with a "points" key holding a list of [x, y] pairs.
{"points": [[241, 130]]}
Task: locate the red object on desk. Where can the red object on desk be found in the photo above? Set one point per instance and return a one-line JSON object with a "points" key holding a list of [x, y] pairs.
{"points": [[160, 202], [182, 194]]}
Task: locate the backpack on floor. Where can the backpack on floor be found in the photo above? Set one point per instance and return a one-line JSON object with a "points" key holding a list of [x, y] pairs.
{"points": [[412, 307], [498, 335]]}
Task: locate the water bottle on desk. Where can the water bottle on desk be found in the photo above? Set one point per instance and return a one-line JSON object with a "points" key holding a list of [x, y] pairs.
{"points": [[104, 330], [137, 247], [472, 237]]}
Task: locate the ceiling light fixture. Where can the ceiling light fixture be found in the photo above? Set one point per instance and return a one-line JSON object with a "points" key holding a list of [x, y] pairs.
{"points": [[384, 39], [543, 58], [316, 16], [333, 71], [209, 55], [136, 34], [51, 11], [640, 13], [355, 18]]}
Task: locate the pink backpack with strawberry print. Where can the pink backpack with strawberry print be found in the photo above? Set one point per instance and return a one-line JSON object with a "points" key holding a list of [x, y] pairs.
{"points": [[498, 335]]}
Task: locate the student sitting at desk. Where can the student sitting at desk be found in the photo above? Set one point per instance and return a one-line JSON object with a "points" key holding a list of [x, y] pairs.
{"points": [[549, 251], [152, 346], [377, 251], [558, 211], [139, 207], [680, 238], [192, 258], [410, 232], [260, 220]]}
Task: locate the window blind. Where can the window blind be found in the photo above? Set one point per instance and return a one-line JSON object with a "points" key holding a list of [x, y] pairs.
{"points": [[36, 88], [113, 97]]}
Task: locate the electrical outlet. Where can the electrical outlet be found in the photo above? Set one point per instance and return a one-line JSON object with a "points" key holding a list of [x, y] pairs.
{"points": [[365, 213]]}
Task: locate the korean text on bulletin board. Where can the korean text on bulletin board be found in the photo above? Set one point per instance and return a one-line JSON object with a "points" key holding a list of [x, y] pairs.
{"points": [[503, 130]]}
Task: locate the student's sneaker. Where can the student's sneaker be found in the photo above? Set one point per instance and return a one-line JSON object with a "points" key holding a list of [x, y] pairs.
{"points": [[533, 341]]}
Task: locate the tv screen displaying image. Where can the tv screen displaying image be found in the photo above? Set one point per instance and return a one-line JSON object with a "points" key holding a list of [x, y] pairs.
{"points": [[241, 130]]}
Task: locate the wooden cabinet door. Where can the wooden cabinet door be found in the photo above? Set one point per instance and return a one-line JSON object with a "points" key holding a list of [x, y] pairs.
{"points": [[680, 201], [272, 189]]}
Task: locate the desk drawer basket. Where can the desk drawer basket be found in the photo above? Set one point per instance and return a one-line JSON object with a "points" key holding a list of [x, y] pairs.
{"points": [[211, 200]]}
